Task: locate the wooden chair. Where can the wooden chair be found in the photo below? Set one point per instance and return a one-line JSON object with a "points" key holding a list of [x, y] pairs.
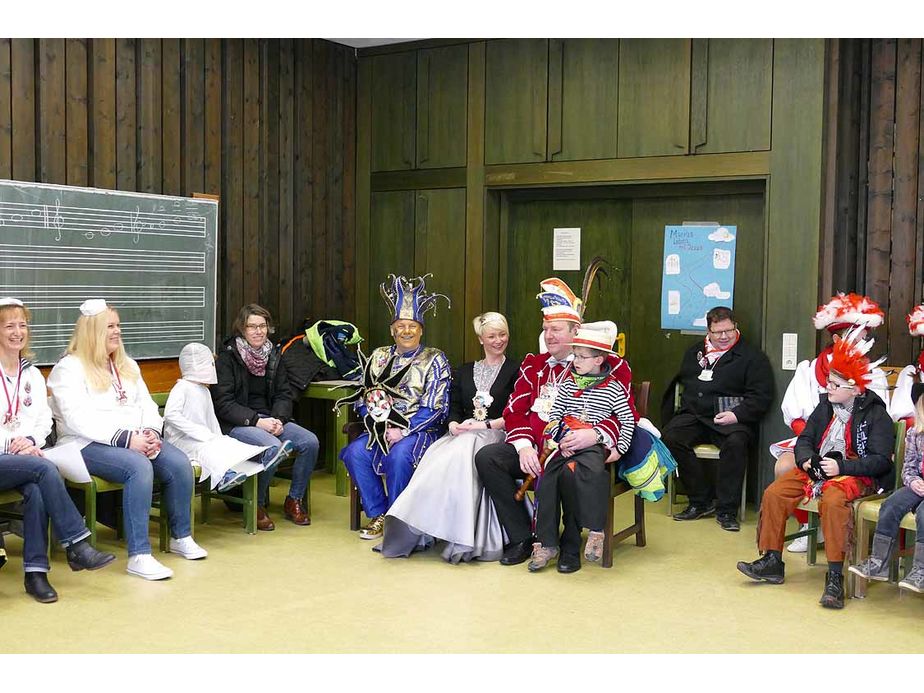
{"points": [[640, 392], [704, 451]]}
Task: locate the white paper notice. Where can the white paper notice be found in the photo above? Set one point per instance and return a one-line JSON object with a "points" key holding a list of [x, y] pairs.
{"points": [[566, 249]]}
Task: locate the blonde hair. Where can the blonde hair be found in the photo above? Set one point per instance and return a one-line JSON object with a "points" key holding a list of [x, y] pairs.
{"points": [[88, 343], [919, 415], [490, 319], [6, 313]]}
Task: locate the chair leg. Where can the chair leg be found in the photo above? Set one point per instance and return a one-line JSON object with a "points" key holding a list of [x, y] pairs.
{"points": [[205, 503], [744, 497], [306, 498], [862, 553], [812, 552], [640, 539], [608, 534], [355, 507], [671, 494], [250, 504], [164, 530]]}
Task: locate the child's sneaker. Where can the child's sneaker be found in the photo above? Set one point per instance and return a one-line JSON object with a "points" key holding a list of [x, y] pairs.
{"points": [[541, 556], [282, 452], [593, 550], [230, 480]]}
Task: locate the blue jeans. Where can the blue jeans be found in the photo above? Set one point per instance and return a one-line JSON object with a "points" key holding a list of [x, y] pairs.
{"points": [[895, 507], [136, 473], [306, 449], [44, 495], [397, 467]]}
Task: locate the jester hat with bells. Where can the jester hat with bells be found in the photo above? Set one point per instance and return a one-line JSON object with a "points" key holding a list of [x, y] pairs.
{"points": [[407, 299]]}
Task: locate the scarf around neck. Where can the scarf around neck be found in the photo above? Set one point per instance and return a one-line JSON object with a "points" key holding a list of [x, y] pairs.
{"points": [[835, 437], [713, 353], [254, 359]]}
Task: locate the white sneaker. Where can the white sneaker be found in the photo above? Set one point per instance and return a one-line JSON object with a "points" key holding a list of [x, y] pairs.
{"points": [[187, 548], [144, 565], [799, 545]]}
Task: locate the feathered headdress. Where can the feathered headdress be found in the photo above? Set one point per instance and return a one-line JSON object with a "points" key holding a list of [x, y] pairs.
{"points": [[850, 361], [407, 298], [915, 321], [848, 310]]}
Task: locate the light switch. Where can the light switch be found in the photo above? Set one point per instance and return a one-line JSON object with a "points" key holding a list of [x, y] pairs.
{"points": [[790, 348]]}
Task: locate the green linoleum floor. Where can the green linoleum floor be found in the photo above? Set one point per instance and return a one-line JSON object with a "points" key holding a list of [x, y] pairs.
{"points": [[322, 589]]}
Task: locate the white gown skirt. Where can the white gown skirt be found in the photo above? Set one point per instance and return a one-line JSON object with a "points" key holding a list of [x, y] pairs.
{"points": [[446, 501]]}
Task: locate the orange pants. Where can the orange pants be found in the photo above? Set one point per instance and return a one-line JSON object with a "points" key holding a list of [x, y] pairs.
{"points": [[783, 497]]}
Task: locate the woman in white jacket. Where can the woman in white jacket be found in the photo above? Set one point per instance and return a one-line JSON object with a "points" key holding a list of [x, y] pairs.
{"points": [[101, 402], [24, 425], [191, 425]]}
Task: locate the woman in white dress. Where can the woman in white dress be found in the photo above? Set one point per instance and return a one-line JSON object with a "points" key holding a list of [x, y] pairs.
{"points": [[445, 499], [191, 425]]}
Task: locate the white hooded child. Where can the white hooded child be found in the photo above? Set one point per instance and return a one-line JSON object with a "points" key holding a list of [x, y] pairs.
{"points": [[191, 425]]}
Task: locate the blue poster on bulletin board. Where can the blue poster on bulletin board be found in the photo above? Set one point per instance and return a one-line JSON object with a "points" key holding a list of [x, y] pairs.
{"points": [[698, 274]]}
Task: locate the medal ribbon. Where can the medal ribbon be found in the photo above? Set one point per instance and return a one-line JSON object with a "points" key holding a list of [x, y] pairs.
{"points": [[12, 404], [117, 383]]}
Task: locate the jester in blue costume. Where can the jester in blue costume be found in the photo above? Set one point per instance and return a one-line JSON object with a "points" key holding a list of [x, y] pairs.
{"points": [[382, 460]]}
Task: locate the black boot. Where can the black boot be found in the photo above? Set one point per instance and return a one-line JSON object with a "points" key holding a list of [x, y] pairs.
{"points": [[833, 596], [876, 567], [768, 568], [82, 556], [37, 585], [518, 552]]}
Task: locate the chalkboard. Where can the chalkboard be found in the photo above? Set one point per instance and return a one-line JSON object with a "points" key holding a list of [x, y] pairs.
{"points": [[151, 256]]}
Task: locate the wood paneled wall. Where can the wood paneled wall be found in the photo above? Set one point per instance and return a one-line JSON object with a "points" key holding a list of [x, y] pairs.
{"points": [[874, 214], [268, 125]]}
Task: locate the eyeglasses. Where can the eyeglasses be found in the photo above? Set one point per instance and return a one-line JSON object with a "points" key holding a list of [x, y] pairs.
{"points": [[580, 357], [723, 333], [838, 386], [262, 327]]}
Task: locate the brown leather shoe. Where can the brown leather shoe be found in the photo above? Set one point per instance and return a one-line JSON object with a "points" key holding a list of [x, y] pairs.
{"points": [[264, 522], [295, 511]]}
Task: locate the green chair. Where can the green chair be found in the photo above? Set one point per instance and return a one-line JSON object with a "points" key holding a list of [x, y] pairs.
{"points": [[705, 451]]}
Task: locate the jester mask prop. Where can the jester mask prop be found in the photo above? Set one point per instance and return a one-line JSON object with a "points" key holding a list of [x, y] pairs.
{"points": [[379, 393]]}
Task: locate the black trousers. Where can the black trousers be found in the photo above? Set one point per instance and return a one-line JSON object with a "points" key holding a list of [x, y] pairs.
{"points": [[582, 494], [681, 434], [498, 466]]}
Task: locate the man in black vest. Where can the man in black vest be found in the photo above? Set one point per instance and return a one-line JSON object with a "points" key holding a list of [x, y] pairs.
{"points": [[727, 388]]}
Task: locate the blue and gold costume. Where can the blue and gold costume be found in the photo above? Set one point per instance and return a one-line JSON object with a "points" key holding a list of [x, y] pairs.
{"points": [[424, 402]]}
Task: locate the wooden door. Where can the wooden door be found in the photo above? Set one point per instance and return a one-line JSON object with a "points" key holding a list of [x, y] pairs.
{"points": [[440, 250], [655, 353], [394, 105], [654, 97], [392, 252], [516, 95], [731, 97], [606, 229], [583, 98], [442, 98]]}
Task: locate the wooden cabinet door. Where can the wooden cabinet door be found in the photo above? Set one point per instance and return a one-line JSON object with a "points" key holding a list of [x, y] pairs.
{"points": [[583, 97], [391, 252], [732, 93], [394, 103], [654, 97], [516, 96], [442, 98], [440, 250]]}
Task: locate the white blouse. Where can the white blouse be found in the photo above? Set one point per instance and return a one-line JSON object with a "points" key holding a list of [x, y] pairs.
{"points": [[34, 414], [86, 416]]}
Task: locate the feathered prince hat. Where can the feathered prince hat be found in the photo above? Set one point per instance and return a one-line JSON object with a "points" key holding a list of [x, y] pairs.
{"points": [[407, 298], [848, 310]]}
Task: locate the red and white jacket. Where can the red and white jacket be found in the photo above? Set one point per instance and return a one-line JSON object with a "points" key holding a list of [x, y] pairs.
{"points": [[524, 426]]}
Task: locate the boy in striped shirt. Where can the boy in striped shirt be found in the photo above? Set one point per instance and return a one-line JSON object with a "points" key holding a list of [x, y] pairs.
{"points": [[577, 480]]}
